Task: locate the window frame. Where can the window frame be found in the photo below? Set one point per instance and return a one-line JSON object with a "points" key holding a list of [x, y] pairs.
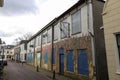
{"points": [[62, 28], [49, 36], [80, 26], [56, 27], [117, 54], [44, 39], [39, 40]]}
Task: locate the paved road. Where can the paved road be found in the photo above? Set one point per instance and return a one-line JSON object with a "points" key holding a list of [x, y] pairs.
{"points": [[17, 71]]}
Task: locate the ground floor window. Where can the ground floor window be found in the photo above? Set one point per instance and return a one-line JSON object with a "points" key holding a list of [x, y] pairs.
{"points": [[118, 45]]}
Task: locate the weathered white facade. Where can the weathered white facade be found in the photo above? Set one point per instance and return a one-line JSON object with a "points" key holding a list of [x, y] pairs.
{"points": [[67, 37], [22, 52]]}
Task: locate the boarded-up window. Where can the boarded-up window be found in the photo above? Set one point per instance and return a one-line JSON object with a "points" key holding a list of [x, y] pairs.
{"points": [[56, 29], [44, 38], [64, 28], [49, 35], [76, 22]]}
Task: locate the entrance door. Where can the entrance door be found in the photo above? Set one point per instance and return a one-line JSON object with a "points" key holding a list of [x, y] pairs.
{"points": [[83, 63], [61, 61]]}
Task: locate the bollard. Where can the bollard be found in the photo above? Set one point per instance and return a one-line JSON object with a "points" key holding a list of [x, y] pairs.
{"points": [[37, 68], [53, 74]]}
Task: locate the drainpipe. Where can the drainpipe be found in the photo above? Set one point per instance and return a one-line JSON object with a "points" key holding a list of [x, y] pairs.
{"points": [[34, 51], [52, 48], [90, 29], [54, 76], [41, 52]]}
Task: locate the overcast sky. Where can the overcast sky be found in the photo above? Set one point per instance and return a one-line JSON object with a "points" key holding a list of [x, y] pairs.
{"points": [[18, 17]]}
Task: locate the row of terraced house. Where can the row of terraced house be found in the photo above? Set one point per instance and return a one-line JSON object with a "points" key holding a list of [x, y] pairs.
{"points": [[73, 43]]}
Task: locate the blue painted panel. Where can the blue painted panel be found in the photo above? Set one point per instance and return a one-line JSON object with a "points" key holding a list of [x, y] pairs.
{"points": [[70, 61], [46, 57], [62, 63], [61, 60], [29, 57], [61, 51], [53, 62], [83, 63]]}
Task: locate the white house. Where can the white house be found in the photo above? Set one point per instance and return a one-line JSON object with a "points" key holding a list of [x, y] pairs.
{"points": [[23, 50]]}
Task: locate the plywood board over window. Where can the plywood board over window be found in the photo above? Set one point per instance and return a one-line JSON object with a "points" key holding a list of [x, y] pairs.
{"points": [[76, 22]]}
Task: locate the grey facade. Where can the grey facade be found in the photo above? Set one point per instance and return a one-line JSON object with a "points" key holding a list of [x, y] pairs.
{"points": [[100, 53]]}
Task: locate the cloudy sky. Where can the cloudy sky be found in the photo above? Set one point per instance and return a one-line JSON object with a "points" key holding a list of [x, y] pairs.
{"points": [[18, 17]]}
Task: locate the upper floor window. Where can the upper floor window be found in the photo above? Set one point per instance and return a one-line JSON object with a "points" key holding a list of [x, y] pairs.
{"points": [[76, 22], [25, 46], [36, 41], [64, 28], [49, 35], [44, 38], [56, 29], [28, 45], [39, 40], [32, 42]]}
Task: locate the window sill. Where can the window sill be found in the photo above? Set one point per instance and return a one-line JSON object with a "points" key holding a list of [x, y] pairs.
{"points": [[76, 33], [118, 72]]}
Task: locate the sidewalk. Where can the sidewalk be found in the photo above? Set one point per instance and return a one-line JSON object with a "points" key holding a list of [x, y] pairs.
{"points": [[45, 73], [5, 74], [49, 74]]}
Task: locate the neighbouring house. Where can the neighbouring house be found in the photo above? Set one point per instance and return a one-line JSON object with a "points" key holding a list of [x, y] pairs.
{"points": [[111, 19], [73, 43], [7, 52], [17, 53], [12, 54], [23, 50]]}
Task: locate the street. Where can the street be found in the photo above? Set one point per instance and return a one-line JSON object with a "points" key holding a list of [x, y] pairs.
{"points": [[17, 71]]}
